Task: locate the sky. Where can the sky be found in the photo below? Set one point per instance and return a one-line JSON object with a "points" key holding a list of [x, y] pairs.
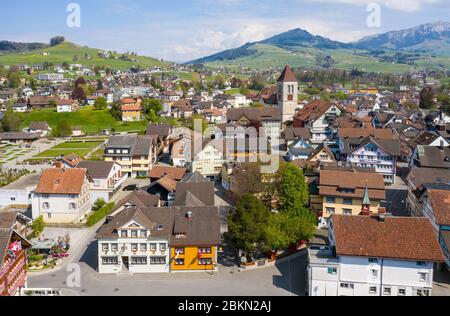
{"points": [[182, 30]]}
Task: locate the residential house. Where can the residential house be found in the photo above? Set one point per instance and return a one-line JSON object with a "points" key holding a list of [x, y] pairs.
{"points": [[350, 139], [435, 205], [139, 199], [381, 154], [423, 138], [131, 109], [350, 192], [195, 191], [299, 149], [164, 188], [160, 240], [375, 256], [135, 154], [209, 159], [431, 157], [318, 116], [20, 107], [158, 172], [13, 259], [269, 118], [62, 196], [39, 127], [106, 178], [40, 101], [419, 177], [18, 193], [66, 105]]}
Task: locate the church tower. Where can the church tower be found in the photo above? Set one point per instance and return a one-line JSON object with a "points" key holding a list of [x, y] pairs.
{"points": [[287, 94]]}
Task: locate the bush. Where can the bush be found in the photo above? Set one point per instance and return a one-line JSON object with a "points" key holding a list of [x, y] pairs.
{"points": [[98, 205], [97, 216], [37, 227]]}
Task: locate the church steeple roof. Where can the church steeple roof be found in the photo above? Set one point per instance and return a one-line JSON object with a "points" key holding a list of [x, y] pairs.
{"points": [[287, 75], [366, 199]]}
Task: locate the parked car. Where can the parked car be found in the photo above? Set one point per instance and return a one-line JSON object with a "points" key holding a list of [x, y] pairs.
{"points": [[131, 187]]}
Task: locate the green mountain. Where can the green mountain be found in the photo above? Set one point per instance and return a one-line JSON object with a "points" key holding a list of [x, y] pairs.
{"points": [[426, 46], [73, 53]]}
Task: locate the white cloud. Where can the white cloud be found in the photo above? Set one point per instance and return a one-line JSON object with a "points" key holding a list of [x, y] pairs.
{"points": [[400, 5]]}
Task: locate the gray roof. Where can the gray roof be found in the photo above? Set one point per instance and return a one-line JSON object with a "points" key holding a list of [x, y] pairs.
{"points": [[18, 136], [97, 169], [39, 125], [138, 145], [202, 229], [433, 157], [420, 176], [160, 130], [390, 146], [203, 191]]}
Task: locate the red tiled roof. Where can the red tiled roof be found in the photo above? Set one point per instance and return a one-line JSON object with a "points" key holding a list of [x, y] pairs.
{"points": [[440, 201], [60, 181], [394, 238]]}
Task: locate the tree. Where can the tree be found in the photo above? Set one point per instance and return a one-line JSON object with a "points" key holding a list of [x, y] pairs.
{"points": [[248, 179], [426, 98], [98, 204], [285, 229], [293, 190], [11, 121], [247, 223], [57, 40], [116, 111], [63, 129], [100, 103], [37, 226], [100, 84], [151, 104]]}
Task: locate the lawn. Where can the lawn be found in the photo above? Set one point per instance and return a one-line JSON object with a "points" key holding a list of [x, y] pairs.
{"points": [[92, 121], [77, 145], [53, 153]]}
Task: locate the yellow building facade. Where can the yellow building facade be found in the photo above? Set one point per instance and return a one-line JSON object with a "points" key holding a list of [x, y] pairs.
{"points": [[194, 258]]}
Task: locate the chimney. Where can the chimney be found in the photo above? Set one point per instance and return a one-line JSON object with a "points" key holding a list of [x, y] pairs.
{"points": [[59, 165], [381, 217]]}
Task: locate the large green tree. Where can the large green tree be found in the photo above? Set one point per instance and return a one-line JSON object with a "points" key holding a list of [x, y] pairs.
{"points": [[63, 129], [293, 189], [100, 103], [247, 223]]}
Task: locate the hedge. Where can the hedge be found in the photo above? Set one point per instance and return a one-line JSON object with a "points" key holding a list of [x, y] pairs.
{"points": [[97, 216]]}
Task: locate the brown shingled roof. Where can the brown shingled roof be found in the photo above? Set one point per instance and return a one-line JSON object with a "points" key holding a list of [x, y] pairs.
{"points": [[60, 181], [396, 238], [159, 172], [287, 75]]}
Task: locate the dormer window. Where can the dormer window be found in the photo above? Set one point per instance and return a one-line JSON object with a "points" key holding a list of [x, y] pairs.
{"points": [[143, 233], [123, 233]]}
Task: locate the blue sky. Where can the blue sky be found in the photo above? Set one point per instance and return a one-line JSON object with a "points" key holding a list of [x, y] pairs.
{"points": [[181, 30]]}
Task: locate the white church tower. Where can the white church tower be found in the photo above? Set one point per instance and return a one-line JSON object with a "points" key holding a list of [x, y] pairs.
{"points": [[287, 94]]}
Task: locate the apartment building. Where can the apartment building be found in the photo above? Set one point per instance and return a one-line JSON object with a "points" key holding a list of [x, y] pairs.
{"points": [[135, 154]]}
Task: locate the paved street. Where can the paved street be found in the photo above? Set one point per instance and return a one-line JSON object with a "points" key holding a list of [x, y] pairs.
{"points": [[284, 279]]}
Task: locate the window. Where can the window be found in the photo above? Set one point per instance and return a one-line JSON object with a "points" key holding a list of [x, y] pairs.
{"points": [[373, 290], [143, 233], [123, 233], [72, 206], [153, 247], [179, 251], [332, 271], [373, 260], [421, 263], [143, 247], [348, 201], [347, 286], [331, 199], [347, 211], [401, 292], [105, 247], [157, 260], [45, 205], [423, 276], [387, 291], [110, 260], [134, 247], [331, 210], [204, 250], [179, 262], [134, 234], [114, 247], [204, 262], [139, 260], [162, 247], [423, 293], [374, 273]]}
